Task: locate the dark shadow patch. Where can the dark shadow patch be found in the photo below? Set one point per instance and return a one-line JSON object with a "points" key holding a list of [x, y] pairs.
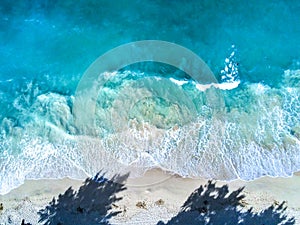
{"points": [[217, 206], [91, 204]]}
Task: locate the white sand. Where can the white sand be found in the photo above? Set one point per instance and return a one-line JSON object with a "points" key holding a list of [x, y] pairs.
{"points": [[26, 200]]}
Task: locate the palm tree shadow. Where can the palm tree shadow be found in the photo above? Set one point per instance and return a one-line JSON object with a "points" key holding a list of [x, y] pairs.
{"points": [[216, 205], [91, 204]]}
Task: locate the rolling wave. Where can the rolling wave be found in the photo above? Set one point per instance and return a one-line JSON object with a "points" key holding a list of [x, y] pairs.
{"points": [[245, 131]]}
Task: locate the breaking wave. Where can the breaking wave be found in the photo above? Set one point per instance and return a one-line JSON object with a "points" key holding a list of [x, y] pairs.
{"points": [[242, 131]]}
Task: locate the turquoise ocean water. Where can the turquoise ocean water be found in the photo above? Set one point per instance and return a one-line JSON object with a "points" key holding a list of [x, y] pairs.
{"points": [[150, 114]]}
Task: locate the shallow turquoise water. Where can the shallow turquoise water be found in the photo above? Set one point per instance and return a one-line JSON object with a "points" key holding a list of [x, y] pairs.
{"points": [[47, 45]]}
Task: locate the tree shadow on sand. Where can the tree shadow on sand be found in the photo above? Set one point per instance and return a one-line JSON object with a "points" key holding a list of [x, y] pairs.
{"points": [[207, 205], [91, 204], [216, 206]]}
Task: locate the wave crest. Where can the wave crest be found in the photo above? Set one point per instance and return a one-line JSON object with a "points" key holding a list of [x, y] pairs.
{"points": [[255, 133]]}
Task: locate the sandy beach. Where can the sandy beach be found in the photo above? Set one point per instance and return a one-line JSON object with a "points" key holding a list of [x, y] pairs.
{"points": [[157, 196]]}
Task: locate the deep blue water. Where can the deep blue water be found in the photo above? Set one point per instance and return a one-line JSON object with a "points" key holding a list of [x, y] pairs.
{"points": [[46, 46]]}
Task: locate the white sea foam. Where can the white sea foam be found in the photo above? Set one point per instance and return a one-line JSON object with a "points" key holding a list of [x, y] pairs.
{"points": [[222, 86], [230, 76], [245, 141], [178, 82]]}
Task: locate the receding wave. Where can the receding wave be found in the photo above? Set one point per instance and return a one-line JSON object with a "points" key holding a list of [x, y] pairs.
{"points": [[245, 132]]}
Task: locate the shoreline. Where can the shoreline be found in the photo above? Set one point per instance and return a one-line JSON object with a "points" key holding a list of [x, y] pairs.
{"points": [[145, 175], [160, 193]]}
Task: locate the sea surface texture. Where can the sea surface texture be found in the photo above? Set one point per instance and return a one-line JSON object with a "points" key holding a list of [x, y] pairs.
{"points": [[150, 114]]}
